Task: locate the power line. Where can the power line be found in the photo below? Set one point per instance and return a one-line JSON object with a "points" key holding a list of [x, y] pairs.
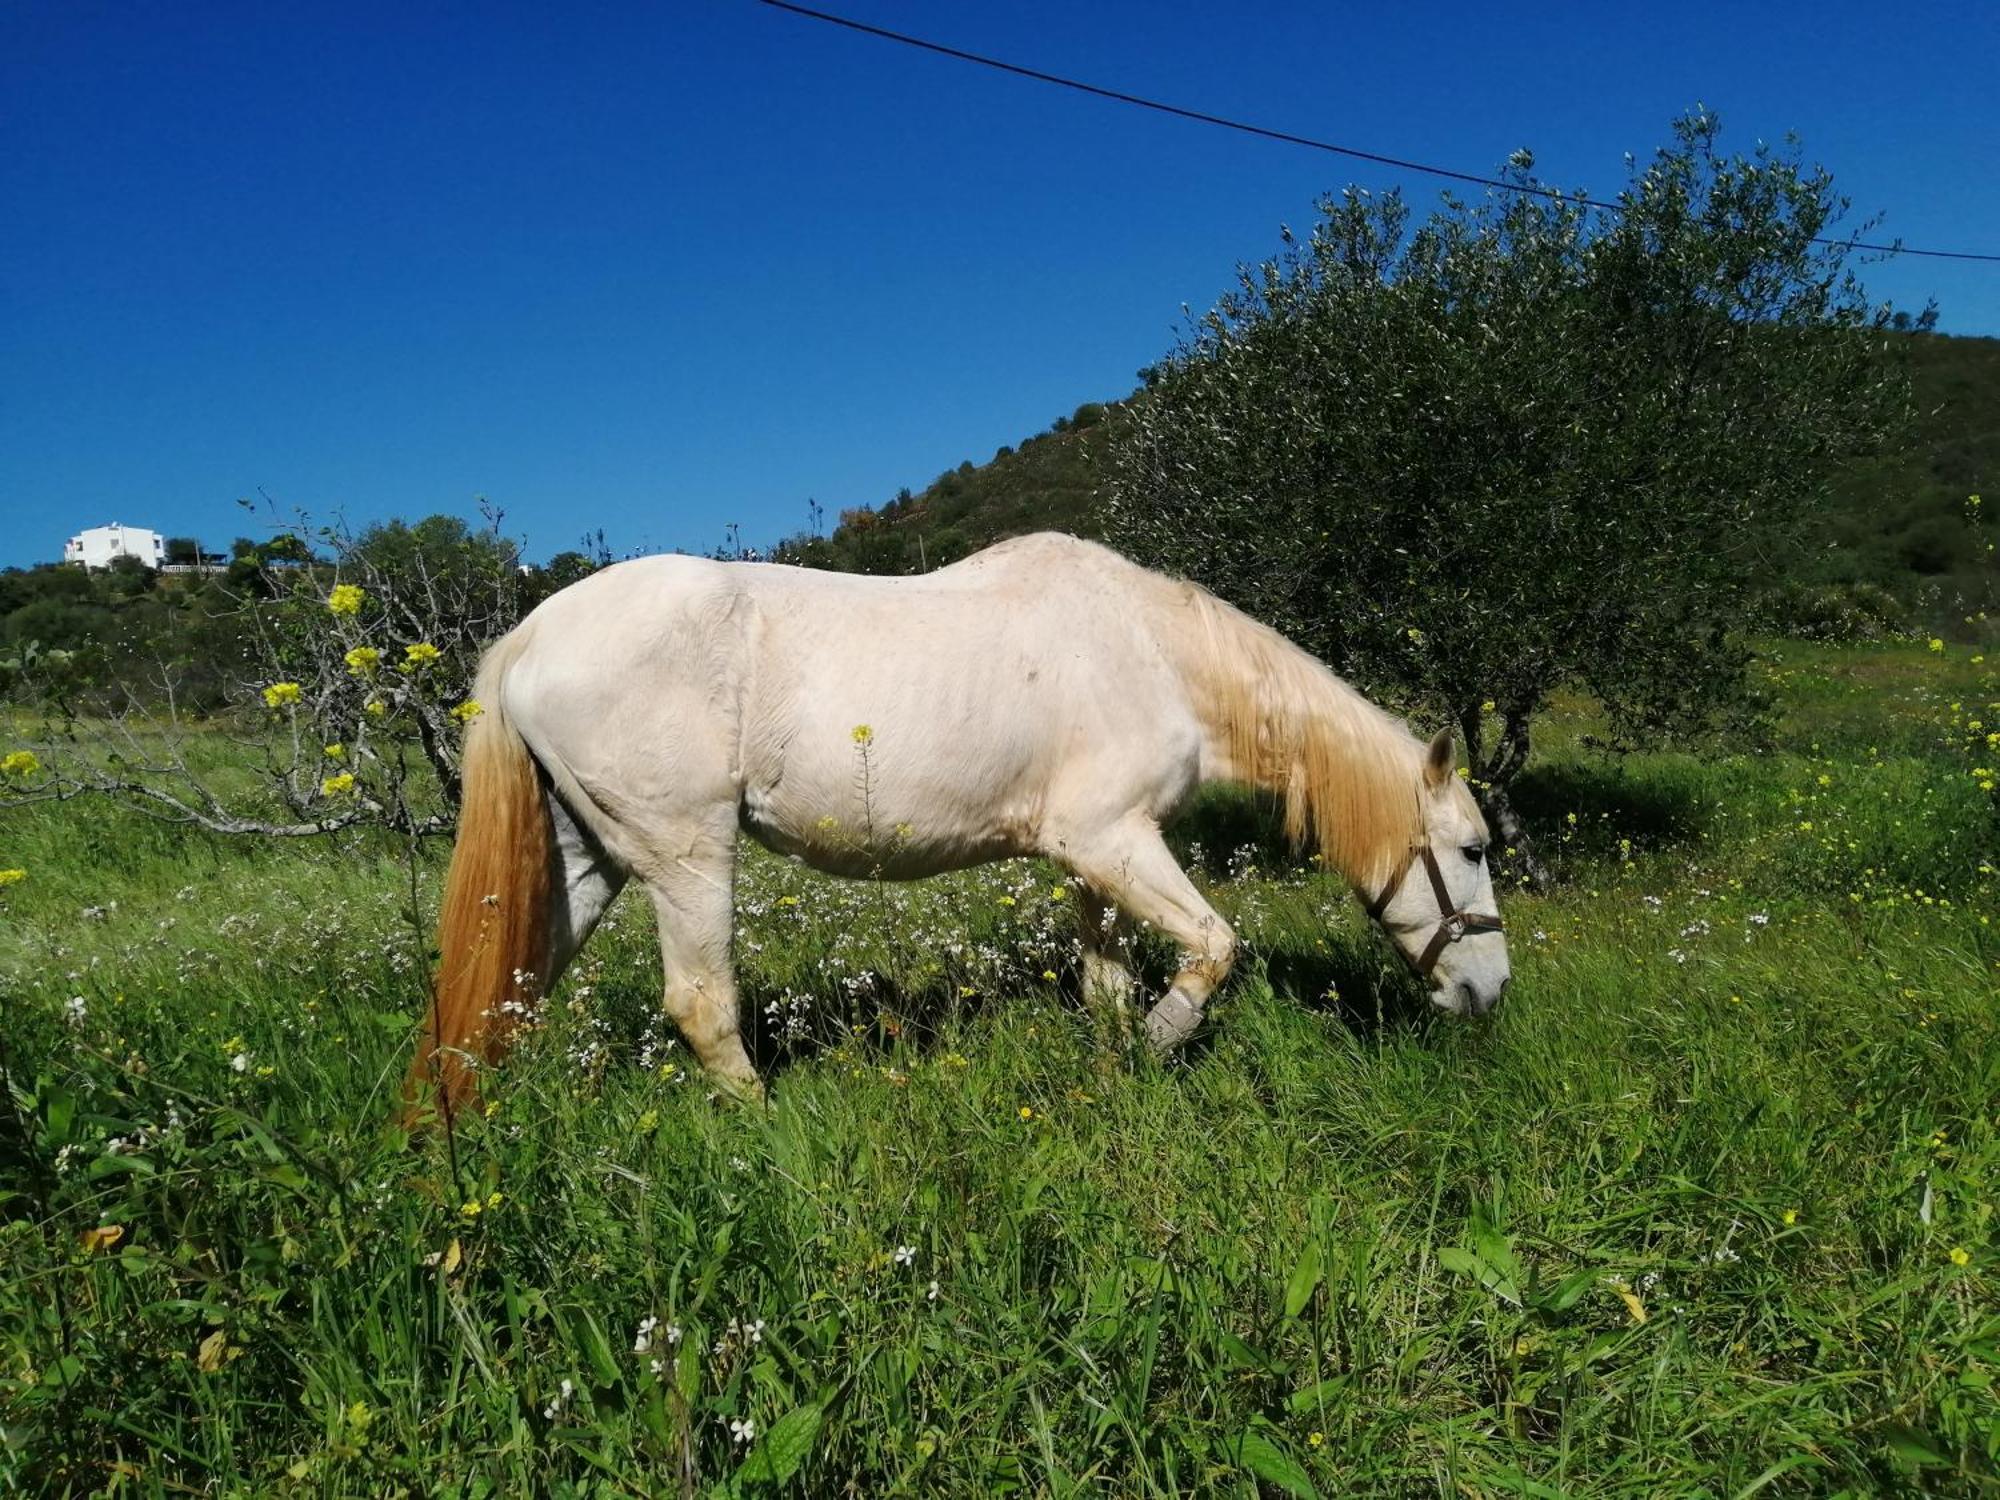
{"points": [[1265, 132]]}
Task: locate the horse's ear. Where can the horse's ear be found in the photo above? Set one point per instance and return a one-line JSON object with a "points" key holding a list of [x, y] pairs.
{"points": [[1440, 759]]}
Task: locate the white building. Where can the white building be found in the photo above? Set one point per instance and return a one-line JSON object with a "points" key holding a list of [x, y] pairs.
{"points": [[100, 546]]}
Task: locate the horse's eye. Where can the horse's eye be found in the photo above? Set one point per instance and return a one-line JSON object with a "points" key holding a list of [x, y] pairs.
{"points": [[1473, 853]]}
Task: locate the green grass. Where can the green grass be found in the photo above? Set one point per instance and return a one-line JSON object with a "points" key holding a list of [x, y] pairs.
{"points": [[1681, 1220]]}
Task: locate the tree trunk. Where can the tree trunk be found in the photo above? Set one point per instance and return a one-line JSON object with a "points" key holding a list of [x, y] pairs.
{"points": [[1492, 776]]}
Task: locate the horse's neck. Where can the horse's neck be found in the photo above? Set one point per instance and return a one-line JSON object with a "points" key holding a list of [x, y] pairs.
{"points": [[1264, 702]]}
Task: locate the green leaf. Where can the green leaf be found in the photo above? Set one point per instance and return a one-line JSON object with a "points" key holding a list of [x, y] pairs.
{"points": [[1318, 1394], [58, 1109], [1256, 1453], [782, 1452], [1496, 1250], [1305, 1280], [1242, 1354], [1465, 1263], [1565, 1293], [585, 1332], [111, 1164], [1912, 1446]]}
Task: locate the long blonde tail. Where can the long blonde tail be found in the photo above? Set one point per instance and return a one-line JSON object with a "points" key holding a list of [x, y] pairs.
{"points": [[493, 926]]}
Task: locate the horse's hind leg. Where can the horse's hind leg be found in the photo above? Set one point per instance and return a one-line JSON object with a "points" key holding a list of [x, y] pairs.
{"points": [[1131, 865], [691, 874], [584, 883]]}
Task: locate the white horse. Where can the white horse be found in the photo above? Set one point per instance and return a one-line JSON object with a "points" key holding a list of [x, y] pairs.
{"points": [[1044, 697]]}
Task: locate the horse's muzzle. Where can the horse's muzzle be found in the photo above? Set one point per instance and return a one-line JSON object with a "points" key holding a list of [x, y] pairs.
{"points": [[1467, 999]]}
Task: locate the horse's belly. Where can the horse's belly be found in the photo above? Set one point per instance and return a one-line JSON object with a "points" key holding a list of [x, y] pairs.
{"points": [[886, 842]]}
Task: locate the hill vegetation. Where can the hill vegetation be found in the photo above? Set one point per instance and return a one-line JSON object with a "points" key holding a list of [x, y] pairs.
{"points": [[1902, 546], [1896, 523]]}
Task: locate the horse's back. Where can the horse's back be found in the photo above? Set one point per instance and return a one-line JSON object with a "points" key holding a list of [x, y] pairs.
{"points": [[963, 699]]}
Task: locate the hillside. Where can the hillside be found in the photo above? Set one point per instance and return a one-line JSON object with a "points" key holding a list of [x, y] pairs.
{"points": [[1897, 521]]}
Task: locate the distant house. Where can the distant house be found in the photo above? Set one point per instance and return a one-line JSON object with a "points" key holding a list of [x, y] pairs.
{"points": [[101, 546]]}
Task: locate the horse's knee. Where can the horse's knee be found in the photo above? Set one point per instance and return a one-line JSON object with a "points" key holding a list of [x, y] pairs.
{"points": [[1217, 955]]}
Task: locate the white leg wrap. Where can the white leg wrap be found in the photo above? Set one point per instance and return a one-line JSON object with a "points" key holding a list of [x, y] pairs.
{"points": [[1171, 1022]]}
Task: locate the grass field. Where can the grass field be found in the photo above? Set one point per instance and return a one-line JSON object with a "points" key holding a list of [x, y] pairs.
{"points": [[1708, 1207]]}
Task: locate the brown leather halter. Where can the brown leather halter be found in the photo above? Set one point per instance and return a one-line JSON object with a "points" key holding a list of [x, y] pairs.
{"points": [[1453, 922]]}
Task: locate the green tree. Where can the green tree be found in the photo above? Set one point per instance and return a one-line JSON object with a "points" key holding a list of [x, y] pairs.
{"points": [[1530, 442]]}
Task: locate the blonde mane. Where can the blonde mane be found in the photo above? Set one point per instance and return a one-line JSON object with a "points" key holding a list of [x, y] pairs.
{"points": [[1348, 773]]}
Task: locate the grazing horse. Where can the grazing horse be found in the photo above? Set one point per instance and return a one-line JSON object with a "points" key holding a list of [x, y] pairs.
{"points": [[1044, 697]]}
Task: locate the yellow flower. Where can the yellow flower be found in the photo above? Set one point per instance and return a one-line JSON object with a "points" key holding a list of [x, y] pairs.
{"points": [[333, 786], [862, 735], [1315, 1439], [19, 763], [362, 660], [345, 599], [419, 655], [375, 708], [1058, 892], [1026, 1112], [1960, 1255], [1485, 708], [1790, 1216], [495, 1199], [335, 751], [472, 1208], [12, 877], [278, 694], [1049, 975], [467, 711], [1936, 644]]}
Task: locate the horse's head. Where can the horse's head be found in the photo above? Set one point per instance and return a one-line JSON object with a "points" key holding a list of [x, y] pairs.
{"points": [[1438, 906]]}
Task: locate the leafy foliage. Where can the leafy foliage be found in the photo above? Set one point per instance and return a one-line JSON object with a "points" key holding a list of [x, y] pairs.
{"points": [[344, 665], [1522, 444], [1049, 482]]}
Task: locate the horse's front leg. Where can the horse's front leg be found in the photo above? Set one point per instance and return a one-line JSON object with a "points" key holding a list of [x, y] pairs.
{"points": [[1130, 864]]}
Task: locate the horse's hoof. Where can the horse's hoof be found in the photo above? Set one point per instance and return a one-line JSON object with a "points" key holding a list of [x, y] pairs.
{"points": [[743, 1090]]}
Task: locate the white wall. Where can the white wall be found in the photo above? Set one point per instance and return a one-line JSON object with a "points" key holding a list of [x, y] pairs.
{"points": [[99, 546]]}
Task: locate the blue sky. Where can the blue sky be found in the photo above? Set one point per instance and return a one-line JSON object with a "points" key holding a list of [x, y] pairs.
{"points": [[660, 267]]}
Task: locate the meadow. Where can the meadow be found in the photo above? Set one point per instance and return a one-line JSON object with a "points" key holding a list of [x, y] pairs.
{"points": [[1707, 1208]]}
